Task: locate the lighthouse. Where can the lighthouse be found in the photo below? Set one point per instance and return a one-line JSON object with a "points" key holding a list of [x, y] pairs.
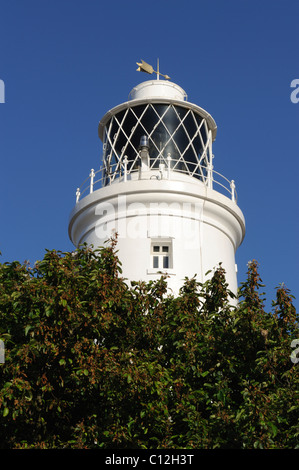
{"points": [[158, 189]]}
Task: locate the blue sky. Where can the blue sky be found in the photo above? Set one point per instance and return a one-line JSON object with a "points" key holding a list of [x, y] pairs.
{"points": [[66, 63]]}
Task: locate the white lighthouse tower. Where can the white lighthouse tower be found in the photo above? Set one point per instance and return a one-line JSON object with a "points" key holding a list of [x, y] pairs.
{"points": [[157, 188]]}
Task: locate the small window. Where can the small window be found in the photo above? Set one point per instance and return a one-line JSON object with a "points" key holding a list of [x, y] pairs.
{"points": [[161, 255]]}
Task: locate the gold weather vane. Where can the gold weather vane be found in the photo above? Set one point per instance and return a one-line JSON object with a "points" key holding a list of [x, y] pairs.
{"points": [[144, 67]]}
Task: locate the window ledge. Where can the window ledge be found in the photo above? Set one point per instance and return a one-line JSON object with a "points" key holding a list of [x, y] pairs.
{"points": [[161, 271]]}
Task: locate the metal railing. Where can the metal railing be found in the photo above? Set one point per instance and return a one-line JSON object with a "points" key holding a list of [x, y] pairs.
{"points": [[101, 178]]}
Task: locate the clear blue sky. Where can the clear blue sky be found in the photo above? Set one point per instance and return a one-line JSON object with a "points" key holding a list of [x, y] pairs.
{"points": [[66, 63]]}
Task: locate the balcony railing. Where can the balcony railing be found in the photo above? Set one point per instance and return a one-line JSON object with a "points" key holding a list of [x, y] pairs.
{"points": [[208, 176]]}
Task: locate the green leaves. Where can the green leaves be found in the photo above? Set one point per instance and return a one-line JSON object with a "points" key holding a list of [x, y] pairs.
{"points": [[91, 363]]}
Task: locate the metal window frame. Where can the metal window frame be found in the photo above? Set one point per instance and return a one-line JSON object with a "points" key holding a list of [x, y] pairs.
{"points": [[113, 158]]}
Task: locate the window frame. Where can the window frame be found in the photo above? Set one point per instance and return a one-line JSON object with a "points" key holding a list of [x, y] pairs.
{"points": [[161, 255]]}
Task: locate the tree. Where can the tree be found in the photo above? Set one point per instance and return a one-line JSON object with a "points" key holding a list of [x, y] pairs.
{"points": [[93, 363]]}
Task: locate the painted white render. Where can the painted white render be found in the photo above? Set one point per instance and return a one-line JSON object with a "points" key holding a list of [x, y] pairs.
{"points": [[165, 208]]}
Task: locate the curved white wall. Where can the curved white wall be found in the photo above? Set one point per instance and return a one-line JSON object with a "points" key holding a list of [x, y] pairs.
{"points": [[201, 226]]}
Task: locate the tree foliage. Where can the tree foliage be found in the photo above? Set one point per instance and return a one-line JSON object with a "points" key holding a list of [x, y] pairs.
{"points": [[93, 363]]}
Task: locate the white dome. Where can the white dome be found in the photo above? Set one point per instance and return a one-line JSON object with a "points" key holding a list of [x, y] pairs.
{"points": [[158, 89]]}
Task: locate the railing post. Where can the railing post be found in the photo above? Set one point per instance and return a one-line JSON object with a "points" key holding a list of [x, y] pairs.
{"points": [[92, 175], [233, 188], [210, 175], [168, 165], [161, 169], [125, 168], [77, 195]]}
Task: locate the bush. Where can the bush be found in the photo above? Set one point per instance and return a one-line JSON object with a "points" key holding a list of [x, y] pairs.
{"points": [[93, 363]]}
